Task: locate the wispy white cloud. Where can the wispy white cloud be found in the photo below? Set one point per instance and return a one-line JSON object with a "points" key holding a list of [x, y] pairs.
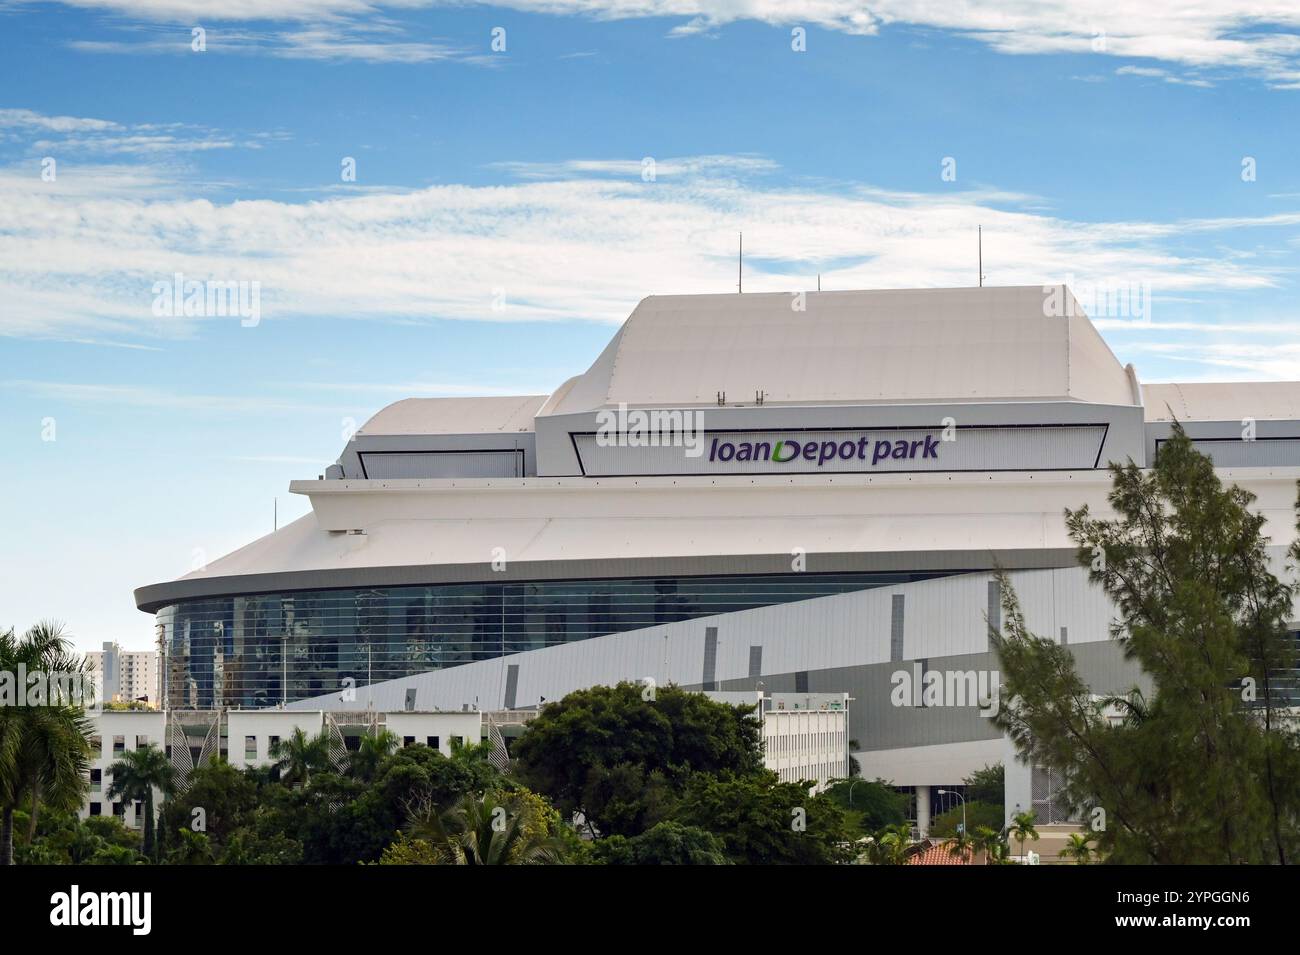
{"points": [[1224, 327], [333, 38], [417, 389], [27, 119], [162, 399], [277, 459], [1156, 73], [78, 134], [80, 257], [1240, 359], [1260, 39], [646, 168]]}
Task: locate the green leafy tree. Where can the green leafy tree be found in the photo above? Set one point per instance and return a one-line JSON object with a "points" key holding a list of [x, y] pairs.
{"points": [[667, 843], [116, 855], [1204, 768], [761, 821], [630, 798], [38, 853], [225, 797], [341, 820], [44, 748], [868, 805], [987, 785], [108, 828], [493, 829], [247, 847], [947, 824], [615, 754], [407, 850], [135, 777], [64, 839]]}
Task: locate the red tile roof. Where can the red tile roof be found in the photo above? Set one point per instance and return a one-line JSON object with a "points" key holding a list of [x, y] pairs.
{"points": [[940, 853]]}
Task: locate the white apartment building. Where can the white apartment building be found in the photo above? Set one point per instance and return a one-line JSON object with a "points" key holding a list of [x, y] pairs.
{"points": [[127, 675]]}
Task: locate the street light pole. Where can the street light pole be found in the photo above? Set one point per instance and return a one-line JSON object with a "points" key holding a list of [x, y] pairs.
{"points": [[949, 792]]}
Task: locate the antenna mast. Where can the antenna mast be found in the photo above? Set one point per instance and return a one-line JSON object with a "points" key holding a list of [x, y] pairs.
{"points": [[740, 266]]}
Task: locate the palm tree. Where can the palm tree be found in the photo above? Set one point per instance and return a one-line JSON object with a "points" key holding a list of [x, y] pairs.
{"points": [[297, 757], [960, 845], [56, 759], [471, 755], [890, 845], [1001, 854], [135, 776], [987, 841], [44, 749], [1079, 848], [194, 848], [490, 830], [1022, 828], [374, 749]]}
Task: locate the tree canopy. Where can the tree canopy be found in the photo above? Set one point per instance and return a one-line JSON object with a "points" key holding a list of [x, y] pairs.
{"points": [[1204, 768], [617, 755]]}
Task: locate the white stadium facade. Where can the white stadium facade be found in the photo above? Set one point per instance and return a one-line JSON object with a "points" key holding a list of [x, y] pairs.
{"points": [[795, 494]]}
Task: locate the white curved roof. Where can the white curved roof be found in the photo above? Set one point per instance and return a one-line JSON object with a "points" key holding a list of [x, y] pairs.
{"points": [[455, 415], [1223, 401], [896, 346], [424, 524]]}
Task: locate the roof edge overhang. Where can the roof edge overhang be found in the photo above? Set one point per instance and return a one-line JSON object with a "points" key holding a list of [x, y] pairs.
{"points": [[154, 597]]}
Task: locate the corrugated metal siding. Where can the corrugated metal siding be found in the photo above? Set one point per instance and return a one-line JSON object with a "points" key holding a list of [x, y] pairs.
{"points": [[842, 642], [994, 611], [896, 609], [710, 658], [512, 685], [1261, 452], [443, 464]]}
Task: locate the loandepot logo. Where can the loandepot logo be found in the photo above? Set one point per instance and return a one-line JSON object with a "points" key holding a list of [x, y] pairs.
{"points": [[819, 453], [102, 908]]}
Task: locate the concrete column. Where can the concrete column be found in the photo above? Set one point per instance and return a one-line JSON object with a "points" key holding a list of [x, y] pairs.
{"points": [[923, 810]]}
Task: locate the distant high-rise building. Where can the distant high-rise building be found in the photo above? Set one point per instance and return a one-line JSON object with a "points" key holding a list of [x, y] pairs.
{"points": [[128, 675]]}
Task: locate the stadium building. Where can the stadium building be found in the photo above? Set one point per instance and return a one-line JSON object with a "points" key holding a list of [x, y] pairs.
{"points": [[800, 494]]}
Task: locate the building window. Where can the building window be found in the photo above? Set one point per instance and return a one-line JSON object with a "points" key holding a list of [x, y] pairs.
{"points": [[97, 747], [94, 809], [408, 741], [119, 745], [457, 741], [96, 780], [415, 629], [250, 747], [433, 742], [141, 742], [119, 809], [272, 742]]}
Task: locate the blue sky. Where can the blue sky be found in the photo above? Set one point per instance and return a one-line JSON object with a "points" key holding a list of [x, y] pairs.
{"points": [[502, 219]]}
